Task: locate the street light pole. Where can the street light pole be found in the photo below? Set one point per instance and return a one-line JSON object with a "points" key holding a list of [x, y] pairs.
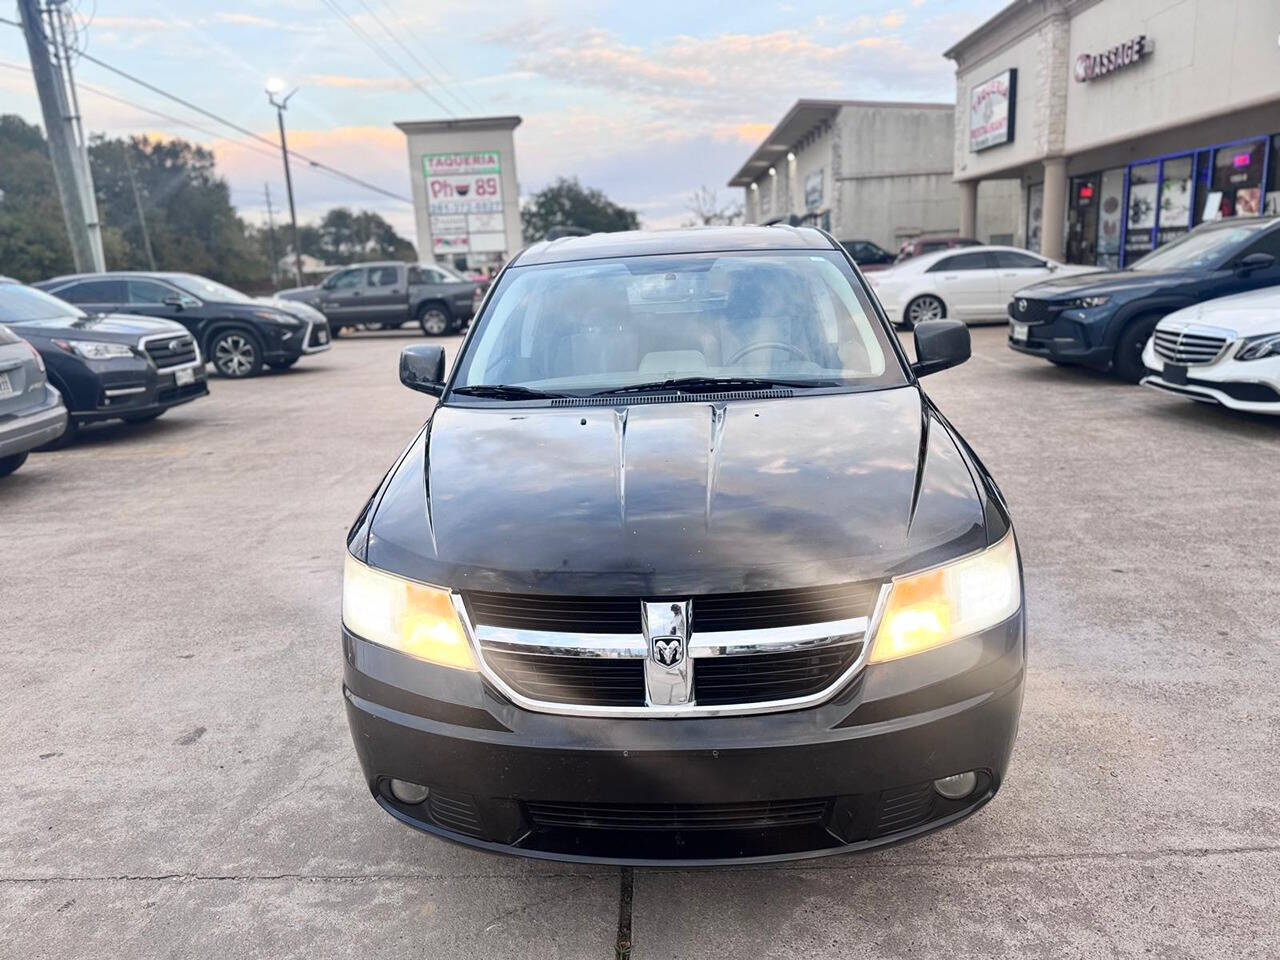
{"points": [[273, 89]]}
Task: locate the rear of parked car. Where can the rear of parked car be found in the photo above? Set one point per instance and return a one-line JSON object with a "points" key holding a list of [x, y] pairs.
{"points": [[31, 409]]}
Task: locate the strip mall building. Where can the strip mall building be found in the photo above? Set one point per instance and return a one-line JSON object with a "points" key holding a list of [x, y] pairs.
{"points": [[1124, 122]]}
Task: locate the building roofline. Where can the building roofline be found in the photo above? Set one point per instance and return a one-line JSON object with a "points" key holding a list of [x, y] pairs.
{"points": [[509, 122], [797, 122]]}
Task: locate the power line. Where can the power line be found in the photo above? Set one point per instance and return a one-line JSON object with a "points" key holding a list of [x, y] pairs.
{"points": [[414, 57], [377, 48]]}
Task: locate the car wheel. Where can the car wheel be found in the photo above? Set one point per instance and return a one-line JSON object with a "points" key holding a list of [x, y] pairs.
{"points": [[282, 364], [236, 354], [10, 464], [921, 309], [434, 320], [1128, 358], [144, 417]]}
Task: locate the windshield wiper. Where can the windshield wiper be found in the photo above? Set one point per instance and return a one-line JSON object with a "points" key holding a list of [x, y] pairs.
{"points": [[712, 385], [505, 391]]}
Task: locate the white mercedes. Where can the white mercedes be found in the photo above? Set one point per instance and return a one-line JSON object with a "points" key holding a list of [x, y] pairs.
{"points": [[973, 284], [1224, 351]]}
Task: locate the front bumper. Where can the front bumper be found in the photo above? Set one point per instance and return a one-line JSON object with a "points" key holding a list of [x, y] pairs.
{"points": [[138, 389], [1072, 336], [1251, 386], [853, 773], [31, 428]]}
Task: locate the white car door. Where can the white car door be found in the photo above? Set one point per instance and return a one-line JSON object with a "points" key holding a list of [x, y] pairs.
{"points": [[969, 284], [1018, 270]]}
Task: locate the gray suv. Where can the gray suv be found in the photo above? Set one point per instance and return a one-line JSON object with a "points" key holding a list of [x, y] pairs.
{"points": [[388, 294], [31, 410]]}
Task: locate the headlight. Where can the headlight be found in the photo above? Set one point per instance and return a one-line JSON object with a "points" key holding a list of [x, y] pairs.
{"points": [[410, 617], [1087, 302], [284, 319], [1255, 348], [95, 350], [930, 609]]}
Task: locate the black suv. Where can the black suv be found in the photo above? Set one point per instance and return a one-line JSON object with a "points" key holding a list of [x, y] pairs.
{"points": [[106, 367], [684, 567], [239, 334], [1104, 320]]}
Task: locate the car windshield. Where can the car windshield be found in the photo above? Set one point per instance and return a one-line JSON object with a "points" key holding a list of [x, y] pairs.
{"points": [[207, 289], [1201, 248], [19, 304], [798, 318]]}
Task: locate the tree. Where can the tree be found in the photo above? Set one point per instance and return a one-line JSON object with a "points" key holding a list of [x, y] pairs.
{"points": [[704, 203], [567, 203], [346, 237], [33, 241]]}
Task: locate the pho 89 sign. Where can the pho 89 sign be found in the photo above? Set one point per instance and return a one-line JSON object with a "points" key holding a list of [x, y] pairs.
{"points": [[464, 200]]}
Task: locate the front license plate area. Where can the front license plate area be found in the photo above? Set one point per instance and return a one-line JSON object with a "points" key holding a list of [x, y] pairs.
{"points": [[1175, 373], [183, 377], [1018, 332]]}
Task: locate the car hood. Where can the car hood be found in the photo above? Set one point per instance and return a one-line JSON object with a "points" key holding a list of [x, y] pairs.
{"points": [[1112, 282], [681, 497], [114, 327], [305, 294], [1246, 314], [297, 308]]}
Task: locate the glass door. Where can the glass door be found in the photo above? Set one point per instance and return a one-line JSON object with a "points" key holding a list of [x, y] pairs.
{"points": [[1176, 192], [1110, 218], [1236, 187], [1144, 196], [1082, 221]]}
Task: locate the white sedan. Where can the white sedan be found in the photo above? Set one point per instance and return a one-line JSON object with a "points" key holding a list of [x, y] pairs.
{"points": [[1224, 351], [973, 284]]}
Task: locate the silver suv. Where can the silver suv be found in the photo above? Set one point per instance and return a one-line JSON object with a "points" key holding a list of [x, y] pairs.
{"points": [[31, 410]]}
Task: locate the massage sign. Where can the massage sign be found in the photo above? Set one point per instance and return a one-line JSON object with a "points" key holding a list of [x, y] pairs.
{"points": [[1094, 66]]}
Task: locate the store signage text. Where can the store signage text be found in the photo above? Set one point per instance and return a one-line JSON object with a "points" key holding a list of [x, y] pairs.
{"points": [[991, 111], [464, 201], [1093, 66]]}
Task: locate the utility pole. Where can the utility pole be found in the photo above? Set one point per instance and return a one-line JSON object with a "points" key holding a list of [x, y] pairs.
{"points": [[66, 169], [137, 202], [62, 58], [273, 89], [271, 238]]}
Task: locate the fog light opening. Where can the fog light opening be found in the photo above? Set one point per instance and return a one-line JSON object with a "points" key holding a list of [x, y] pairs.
{"points": [[407, 792], [955, 787]]}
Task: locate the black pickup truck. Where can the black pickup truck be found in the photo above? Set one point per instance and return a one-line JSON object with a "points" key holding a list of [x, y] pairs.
{"points": [[389, 294]]}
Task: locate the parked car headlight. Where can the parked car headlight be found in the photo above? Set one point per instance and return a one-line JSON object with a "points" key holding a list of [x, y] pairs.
{"points": [[404, 615], [1087, 302], [284, 319], [95, 350], [930, 609], [1255, 348]]}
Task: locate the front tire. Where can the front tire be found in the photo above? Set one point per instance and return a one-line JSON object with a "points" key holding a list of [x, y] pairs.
{"points": [[921, 309], [236, 354], [434, 320], [10, 464], [1128, 363]]}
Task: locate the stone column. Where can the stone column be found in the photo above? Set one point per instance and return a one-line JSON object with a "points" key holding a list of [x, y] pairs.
{"points": [[968, 208], [1053, 226]]}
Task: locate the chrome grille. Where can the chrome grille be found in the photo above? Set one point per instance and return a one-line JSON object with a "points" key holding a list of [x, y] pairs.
{"points": [[175, 351], [1189, 345]]}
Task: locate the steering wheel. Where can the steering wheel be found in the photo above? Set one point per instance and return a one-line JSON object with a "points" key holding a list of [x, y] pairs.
{"points": [[790, 348]]}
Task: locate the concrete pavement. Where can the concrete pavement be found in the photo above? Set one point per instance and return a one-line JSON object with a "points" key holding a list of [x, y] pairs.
{"points": [[178, 776]]}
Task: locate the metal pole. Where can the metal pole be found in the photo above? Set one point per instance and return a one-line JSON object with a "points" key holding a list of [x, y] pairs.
{"points": [[66, 174], [281, 106], [137, 201], [57, 22], [271, 238]]}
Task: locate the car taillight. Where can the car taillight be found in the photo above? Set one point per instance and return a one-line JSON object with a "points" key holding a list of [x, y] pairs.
{"points": [[36, 353]]}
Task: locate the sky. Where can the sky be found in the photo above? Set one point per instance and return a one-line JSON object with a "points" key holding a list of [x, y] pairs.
{"points": [[647, 101]]}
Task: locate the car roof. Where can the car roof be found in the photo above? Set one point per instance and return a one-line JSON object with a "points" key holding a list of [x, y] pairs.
{"points": [[928, 259], [121, 274], [940, 237], [639, 243]]}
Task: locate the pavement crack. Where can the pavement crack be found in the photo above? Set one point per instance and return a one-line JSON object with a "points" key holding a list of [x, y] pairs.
{"points": [[626, 894]]}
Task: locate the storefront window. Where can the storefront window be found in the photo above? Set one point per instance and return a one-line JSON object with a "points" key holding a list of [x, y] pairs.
{"points": [[1272, 201], [1144, 188], [1110, 215], [1175, 199], [1035, 215], [1236, 188]]}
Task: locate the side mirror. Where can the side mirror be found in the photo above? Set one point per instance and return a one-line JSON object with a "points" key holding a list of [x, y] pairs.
{"points": [[1255, 261], [175, 301], [422, 368], [940, 344], [1051, 267]]}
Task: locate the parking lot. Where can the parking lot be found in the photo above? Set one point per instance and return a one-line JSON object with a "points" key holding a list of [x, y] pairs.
{"points": [[179, 778]]}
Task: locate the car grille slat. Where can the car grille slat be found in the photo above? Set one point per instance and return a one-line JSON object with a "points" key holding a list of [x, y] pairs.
{"points": [[175, 351], [666, 817], [600, 682], [1188, 348], [719, 681]]}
